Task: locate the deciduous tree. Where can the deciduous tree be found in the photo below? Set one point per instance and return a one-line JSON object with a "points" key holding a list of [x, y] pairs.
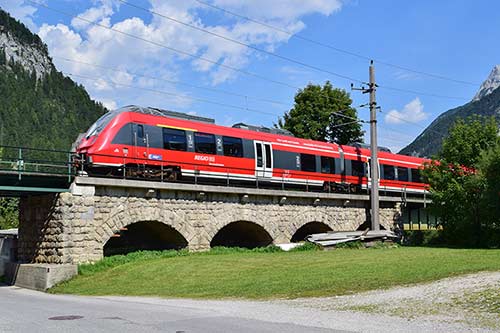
{"points": [[314, 115], [463, 182]]}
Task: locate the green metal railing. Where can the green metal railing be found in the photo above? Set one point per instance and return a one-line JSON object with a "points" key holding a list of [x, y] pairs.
{"points": [[22, 164]]}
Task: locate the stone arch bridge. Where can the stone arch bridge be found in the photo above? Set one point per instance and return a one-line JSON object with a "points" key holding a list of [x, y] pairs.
{"points": [[103, 216]]}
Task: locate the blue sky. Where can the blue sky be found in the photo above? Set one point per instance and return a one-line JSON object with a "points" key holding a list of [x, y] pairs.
{"points": [[456, 39]]}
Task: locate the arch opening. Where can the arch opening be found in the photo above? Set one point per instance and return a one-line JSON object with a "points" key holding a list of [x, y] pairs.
{"points": [[242, 234], [368, 225], [146, 235], [309, 229]]}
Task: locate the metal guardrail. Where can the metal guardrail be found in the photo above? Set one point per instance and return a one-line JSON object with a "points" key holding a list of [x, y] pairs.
{"points": [[21, 161]]}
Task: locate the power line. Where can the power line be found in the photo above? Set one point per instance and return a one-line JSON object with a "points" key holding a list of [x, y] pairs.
{"points": [[273, 54], [413, 123], [173, 81], [216, 63], [165, 46], [416, 92], [173, 94], [329, 46], [201, 99], [204, 100], [301, 63]]}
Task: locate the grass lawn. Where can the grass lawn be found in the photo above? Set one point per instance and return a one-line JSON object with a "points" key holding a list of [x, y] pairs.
{"points": [[258, 275]]}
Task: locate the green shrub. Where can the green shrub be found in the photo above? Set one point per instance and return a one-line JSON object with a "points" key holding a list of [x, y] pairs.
{"points": [[113, 261], [423, 238], [307, 246], [351, 245]]}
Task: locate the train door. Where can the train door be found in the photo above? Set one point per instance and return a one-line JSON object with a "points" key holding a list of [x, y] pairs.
{"points": [[140, 142], [263, 160]]}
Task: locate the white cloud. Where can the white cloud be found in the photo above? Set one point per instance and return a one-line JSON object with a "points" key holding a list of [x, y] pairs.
{"points": [[93, 44], [280, 9], [94, 14], [412, 112], [21, 11], [109, 104]]}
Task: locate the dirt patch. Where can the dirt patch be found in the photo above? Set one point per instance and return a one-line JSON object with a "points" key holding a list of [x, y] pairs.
{"points": [[472, 301]]}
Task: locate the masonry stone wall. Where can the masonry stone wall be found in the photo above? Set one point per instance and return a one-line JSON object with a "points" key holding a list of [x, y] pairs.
{"points": [[71, 228]]}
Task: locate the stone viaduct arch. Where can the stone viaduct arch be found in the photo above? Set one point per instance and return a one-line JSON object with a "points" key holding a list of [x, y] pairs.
{"points": [[74, 227]]}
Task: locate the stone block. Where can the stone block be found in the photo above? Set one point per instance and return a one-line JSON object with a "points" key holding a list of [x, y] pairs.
{"points": [[42, 276]]}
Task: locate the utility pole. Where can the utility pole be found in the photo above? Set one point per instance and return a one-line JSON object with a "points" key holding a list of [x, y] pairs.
{"points": [[372, 87]]}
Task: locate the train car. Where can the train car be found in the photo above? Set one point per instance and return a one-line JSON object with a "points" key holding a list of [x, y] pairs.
{"points": [[166, 145]]}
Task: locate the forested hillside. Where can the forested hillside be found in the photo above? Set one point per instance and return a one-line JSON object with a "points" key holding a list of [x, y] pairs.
{"points": [[40, 107]]}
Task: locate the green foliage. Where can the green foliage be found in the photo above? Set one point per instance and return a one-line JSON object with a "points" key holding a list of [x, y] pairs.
{"points": [[467, 139], [463, 184], [307, 246], [46, 113], [20, 31], [228, 250], [489, 167], [312, 117], [9, 217], [117, 260], [429, 142], [422, 238], [351, 245]]}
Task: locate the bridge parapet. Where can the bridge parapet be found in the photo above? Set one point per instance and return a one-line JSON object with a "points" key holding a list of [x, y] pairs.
{"points": [[82, 225]]}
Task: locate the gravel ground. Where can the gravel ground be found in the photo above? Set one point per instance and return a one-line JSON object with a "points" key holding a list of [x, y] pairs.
{"points": [[468, 303]]}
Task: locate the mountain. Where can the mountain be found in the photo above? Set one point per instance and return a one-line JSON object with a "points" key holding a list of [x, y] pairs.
{"points": [[40, 107], [485, 103], [491, 83]]}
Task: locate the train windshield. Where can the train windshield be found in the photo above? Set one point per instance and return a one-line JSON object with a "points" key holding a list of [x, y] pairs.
{"points": [[99, 125]]}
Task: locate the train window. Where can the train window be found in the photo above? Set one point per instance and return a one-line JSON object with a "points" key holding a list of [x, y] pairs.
{"points": [[232, 146], [403, 174], [358, 169], [268, 156], [389, 172], [204, 143], [308, 162], [174, 139], [415, 176], [140, 132], [327, 164], [259, 155]]}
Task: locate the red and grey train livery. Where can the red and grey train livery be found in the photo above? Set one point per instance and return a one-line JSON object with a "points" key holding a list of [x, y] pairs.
{"points": [[163, 144]]}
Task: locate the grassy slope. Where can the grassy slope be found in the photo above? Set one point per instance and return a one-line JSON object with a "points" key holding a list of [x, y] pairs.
{"points": [[286, 275]]}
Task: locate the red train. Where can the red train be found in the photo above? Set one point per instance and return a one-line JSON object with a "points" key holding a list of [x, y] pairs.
{"points": [[153, 143]]}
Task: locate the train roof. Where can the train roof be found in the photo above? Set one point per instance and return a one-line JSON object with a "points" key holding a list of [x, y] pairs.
{"points": [[183, 120], [164, 113]]}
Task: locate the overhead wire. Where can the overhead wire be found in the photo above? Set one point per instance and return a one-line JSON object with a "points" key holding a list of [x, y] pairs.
{"points": [[199, 99], [185, 53], [273, 54], [413, 123], [332, 47], [301, 63], [217, 63], [221, 91], [168, 93]]}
